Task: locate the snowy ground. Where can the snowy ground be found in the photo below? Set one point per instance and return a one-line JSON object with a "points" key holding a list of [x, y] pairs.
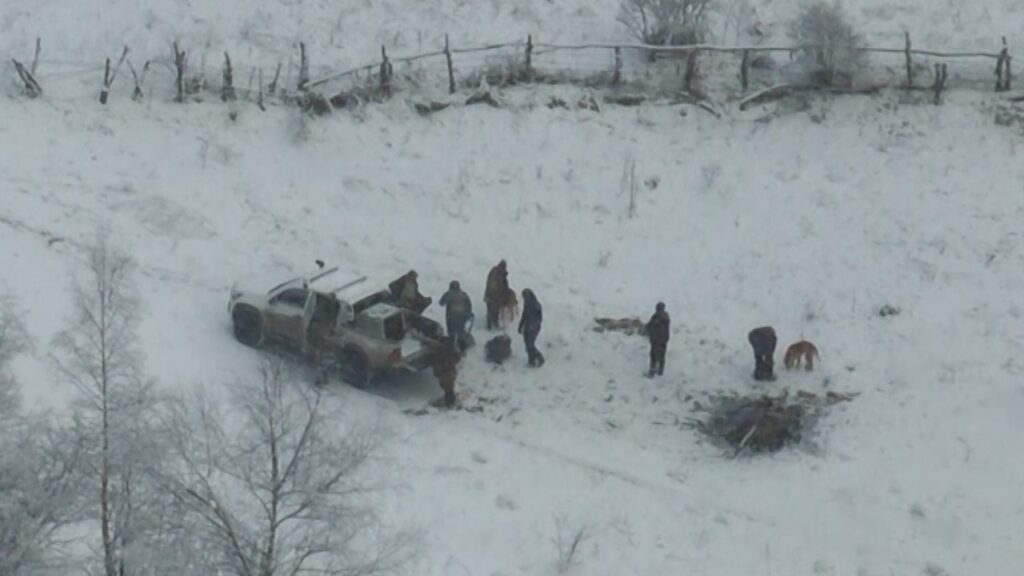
{"points": [[809, 222]]}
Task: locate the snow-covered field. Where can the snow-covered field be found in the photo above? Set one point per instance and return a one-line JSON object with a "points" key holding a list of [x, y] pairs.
{"points": [[809, 222]]}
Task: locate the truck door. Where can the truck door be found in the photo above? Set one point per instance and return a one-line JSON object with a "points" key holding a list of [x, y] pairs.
{"points": [[286, 316]]}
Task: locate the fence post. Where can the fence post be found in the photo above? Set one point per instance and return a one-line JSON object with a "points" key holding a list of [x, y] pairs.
{"points": [[105, 91], [910, 68], [1008, 73], [691, 70], [940, 82], [617, 75], [385, 72], [745, 69], [259, 102], [1003, 68], [451, 70], [529, 57], [303, 68], [179, 73]]}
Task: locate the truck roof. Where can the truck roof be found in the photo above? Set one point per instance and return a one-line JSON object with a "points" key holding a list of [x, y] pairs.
{"points": [[348, 286]]}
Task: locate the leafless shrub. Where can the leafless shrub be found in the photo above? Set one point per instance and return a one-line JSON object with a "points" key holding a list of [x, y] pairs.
{"points": [[14, 340], [666, 22], [567, 542], [278, 491], [831, 54]]}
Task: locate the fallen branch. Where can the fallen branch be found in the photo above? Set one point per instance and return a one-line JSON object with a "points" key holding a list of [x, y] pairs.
{"points": [[770, 93], [32, 87]]}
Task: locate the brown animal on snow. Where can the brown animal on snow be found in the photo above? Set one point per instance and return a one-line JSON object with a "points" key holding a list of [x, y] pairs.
{"points": [[509, 308], [802, 351]]}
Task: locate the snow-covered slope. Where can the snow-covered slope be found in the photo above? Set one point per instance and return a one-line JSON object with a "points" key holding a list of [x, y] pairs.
{"points": [[807, 226], [809, 222]]}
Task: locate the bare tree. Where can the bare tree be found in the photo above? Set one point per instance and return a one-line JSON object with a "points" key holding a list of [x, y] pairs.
{"points": [[97, 353], [278, 490], [39, 493], [38, 461], [831, 46], [666, 22], [14, 340]]}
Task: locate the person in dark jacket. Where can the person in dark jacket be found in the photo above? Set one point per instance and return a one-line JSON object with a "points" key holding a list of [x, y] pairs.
{"points": [[658, 334], [446, 367], [405, 292], [496, 293], [529, 327], [458, 311], [763, 341]]}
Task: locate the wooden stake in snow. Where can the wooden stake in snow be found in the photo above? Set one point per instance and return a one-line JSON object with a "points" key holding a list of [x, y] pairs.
{"points": [[303, 68], [259, 102], [227, 92], [529, 57], [109, 75], [385, 73], [691, 71], [1003, 68], [39, 48], [272, 89], [179, 68], [617, 74], [139, 79], [451, 69], [745, 70], [910, 62], [940, 81]]}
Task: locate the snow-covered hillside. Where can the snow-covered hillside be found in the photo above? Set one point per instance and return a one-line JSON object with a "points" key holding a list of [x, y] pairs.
{"points": [[809, 221]]}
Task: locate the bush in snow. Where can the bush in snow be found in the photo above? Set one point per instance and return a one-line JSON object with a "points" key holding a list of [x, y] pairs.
{"points": [[830, 55], [666, 22]]}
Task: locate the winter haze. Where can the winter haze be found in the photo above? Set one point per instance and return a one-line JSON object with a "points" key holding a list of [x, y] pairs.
{"points": [[808, 214]]}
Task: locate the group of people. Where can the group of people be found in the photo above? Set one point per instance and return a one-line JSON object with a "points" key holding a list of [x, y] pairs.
{"points": [[502, 305]]}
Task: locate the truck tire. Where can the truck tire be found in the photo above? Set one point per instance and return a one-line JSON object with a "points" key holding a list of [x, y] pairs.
{"points": [[354, 366], [247, 326]]}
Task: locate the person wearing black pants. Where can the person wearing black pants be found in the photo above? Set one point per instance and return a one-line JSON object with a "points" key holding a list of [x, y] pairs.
{"points": [[529, 327], [763, 341], [658, 334]]}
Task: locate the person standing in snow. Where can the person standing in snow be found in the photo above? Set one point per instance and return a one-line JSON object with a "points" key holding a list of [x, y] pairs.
{"points": [[496, 294], [529, 327], [406, 292], [763, 341], [658, 334], [458, 311], [446, 367]]}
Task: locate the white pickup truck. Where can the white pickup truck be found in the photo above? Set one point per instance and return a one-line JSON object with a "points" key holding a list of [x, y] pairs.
{"points": [[347, 322]]}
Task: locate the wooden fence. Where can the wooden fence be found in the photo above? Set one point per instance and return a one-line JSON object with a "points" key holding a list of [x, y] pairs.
{"points": [[525, 53]]}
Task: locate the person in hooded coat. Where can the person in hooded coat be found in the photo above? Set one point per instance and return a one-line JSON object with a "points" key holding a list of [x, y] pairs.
{"points": [[529, 327], [458, 311], [658, 334], [496, 293]]}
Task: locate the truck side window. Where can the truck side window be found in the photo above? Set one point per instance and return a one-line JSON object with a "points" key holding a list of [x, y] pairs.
{"points": [[293, 297], [394, 327]]}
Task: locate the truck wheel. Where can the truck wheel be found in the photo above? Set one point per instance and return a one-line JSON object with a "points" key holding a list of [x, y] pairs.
{"points": [[248, 327], [355, 367]]}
